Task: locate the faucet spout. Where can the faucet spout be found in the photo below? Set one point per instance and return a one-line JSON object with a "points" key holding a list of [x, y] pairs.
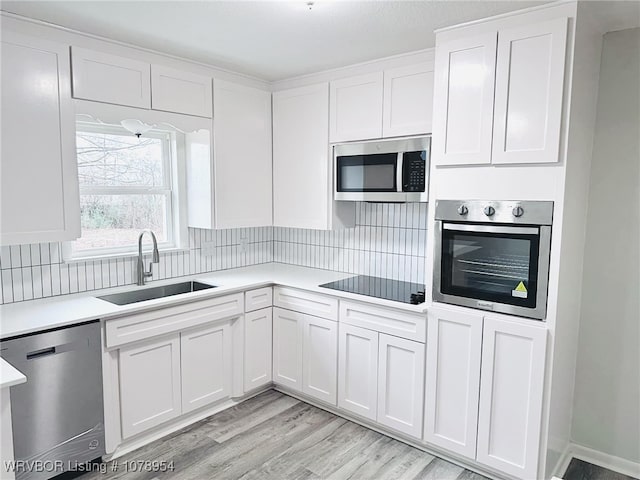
{"points": [[155, 257]]}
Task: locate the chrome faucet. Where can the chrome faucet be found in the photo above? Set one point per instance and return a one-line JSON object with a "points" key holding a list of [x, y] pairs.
{"points": [[142, 274]]}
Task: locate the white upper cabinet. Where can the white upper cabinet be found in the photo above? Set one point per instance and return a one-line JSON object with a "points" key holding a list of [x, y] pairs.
{"points": [[110, 78], [301, 171], [463, 100], [39, 198], [401, 384], [498, 95], [408, 100], [180, 92], [356, 108], [242, 156], [454, 341], [528, 98], [511, 391]]}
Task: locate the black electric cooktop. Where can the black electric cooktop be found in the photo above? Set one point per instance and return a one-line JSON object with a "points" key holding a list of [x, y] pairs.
{"points": [[385, 288]]}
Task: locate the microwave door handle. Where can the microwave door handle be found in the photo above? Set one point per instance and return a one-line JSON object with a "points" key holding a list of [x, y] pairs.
{"points": [[399, 172]]}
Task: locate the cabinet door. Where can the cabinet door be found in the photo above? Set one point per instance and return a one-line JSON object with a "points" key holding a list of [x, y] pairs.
{"points": [[511, 390], [206, 365], [356, 108], [301, 173], [401, 384], [258, 328], [463, 100], [528, 98], [39, 200], [149, 384], [358, 370], [408, 100], [287, 348], [181, 92], [320, 359], [242, 156], [111, 79], [454, 342]]}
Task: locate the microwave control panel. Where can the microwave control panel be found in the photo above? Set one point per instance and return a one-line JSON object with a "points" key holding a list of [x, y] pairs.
{"points": [[414, 171]]}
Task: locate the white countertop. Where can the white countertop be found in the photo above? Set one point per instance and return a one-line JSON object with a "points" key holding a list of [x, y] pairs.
{"points": [[9, 376], [36, 315]]}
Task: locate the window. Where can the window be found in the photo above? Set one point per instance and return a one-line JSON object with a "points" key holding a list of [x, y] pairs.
{"points": [[125, 187]]}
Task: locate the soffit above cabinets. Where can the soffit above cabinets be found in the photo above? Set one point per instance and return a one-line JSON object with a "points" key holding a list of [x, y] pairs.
{"points": [[272, 40]]}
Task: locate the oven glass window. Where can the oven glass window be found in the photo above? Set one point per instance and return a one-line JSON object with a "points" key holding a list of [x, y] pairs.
{"points": [[495, 267], [367, 173]]}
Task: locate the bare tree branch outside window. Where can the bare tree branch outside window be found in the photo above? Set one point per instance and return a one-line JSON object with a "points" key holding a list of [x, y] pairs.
{"points": [[124, 188]]}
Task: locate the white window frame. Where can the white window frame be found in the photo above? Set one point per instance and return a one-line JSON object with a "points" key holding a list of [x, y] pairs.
{"points": [[170, 189]]}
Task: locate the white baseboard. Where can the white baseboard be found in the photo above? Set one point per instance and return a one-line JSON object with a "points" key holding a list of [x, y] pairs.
{"points": [[563, 462], [611, 462]]}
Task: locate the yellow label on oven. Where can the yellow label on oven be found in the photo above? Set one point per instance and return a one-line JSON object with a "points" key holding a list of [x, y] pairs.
{"points": [[520, 291]]}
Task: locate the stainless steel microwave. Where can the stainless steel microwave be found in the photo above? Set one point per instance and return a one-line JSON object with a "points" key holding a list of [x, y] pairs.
{"points": [[493, 255], [382, 170]]}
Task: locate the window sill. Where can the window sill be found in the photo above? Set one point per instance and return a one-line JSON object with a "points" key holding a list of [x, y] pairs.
{"points": [[114, 256]]}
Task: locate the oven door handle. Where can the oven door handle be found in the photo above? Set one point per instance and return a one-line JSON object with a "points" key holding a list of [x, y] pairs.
{"points": [[491, 229], [399, 173]]}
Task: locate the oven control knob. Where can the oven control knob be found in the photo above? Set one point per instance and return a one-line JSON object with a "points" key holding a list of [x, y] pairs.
{"points": [[463, 210], [489, 211], [517, 211]]}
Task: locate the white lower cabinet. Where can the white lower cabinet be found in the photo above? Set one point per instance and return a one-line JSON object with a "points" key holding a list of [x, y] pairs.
{"points": [[206, 365], [358, 370], [454, 342], [258, 327], [511, 391], [149, 384], [320, 358], [381, 377], [305, 353], [400, 384], [287, 348]]}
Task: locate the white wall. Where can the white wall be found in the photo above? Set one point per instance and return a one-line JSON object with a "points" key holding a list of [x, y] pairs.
{"points": [[607, 388]]}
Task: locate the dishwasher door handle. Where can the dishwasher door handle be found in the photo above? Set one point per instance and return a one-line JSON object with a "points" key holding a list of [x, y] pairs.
{"points": [[41, 353]]}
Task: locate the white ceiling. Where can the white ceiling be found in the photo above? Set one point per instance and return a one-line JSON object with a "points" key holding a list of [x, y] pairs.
{"points": [[272, 40]]}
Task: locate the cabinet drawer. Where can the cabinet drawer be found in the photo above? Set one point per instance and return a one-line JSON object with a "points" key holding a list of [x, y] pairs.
{"points": [[109, 78], [306, 302], [385, 320], [137, 327], [257, 299]]}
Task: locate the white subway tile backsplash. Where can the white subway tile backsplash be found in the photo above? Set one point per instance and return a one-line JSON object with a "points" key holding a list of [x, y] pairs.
{"points": [[27, 283], [16, 278], [15, 256], [7, 286], [55, 253], [5, 257], [389, 240], [36, 281], [45, 271]]}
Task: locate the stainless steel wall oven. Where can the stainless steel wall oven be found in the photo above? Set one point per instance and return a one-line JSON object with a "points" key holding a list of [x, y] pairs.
{"points": [[493, 255]]}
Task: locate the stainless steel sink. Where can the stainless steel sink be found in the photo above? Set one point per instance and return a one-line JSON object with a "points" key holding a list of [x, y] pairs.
{"points": [[134, 296]]}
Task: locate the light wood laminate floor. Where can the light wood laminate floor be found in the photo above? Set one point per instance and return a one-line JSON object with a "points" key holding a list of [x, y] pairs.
{"points": [[274, 436]]}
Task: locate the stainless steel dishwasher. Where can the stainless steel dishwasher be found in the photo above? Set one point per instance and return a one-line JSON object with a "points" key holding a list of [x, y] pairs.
{"points": [[58, 413]]}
